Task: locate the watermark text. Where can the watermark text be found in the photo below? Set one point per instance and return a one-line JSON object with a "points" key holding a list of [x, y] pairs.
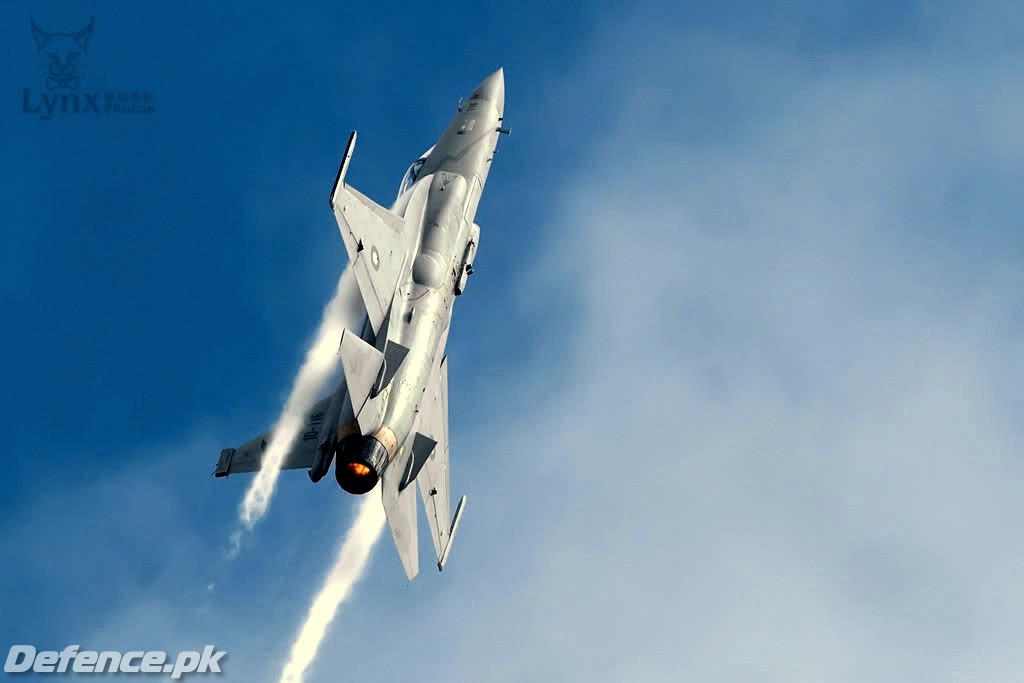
{"points": [[24, 658]]}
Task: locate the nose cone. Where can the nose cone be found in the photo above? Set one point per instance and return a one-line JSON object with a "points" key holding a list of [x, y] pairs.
{"points": [[493, 89]]}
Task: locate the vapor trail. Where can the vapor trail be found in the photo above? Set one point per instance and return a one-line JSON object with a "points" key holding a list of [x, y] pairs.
{"points": [[344, 310], [348, 568]]}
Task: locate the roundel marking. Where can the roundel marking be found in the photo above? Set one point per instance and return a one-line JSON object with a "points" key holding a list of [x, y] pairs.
{"points": [[375, 258]]}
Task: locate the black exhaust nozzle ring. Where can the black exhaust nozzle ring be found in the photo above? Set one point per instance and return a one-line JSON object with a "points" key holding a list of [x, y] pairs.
{"points": [[360, 464]]}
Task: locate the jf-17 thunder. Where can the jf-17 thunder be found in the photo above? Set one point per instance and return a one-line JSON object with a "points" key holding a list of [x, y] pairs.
{"points": [[387, 422]]}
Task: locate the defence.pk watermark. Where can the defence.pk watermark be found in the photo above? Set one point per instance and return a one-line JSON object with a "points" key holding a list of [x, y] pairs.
{"points": [[25, 658]]}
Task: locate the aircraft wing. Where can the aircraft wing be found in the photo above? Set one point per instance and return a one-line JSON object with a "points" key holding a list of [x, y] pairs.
{"points": [[249, 456], [431, 469], [400, 508], [376, 242], [412, 463], [433, 477], [423, 459]]}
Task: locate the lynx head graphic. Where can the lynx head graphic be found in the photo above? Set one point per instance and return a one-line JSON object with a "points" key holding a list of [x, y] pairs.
{"points": [[63, 51]]}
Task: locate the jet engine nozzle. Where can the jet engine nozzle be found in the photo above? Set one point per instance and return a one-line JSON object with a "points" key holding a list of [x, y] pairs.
{"points": [[361, 462]]}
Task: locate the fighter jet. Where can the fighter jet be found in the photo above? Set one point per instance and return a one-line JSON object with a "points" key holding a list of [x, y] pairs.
{"points": [[387, 422]]}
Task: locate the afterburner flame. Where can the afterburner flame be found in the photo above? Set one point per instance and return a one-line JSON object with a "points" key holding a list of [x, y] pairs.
{"points": [[358, 468]]}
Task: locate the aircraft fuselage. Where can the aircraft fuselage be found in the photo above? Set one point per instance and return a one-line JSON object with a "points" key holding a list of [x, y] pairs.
{"points": [[441, 204]]}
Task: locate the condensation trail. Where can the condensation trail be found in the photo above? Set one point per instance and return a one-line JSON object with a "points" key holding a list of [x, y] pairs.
{"points": [[351, 563], [344, 310]]}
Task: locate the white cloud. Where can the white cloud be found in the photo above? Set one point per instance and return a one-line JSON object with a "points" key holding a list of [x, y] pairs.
{"points": [[789, 447], [343, 311], [349, 568]]}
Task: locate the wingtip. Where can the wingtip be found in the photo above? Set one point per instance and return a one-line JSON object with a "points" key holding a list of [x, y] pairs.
{"points": [[339, 179]]}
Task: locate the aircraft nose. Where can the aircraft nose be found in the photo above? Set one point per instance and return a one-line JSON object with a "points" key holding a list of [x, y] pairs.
{"points": [[493, 88]]}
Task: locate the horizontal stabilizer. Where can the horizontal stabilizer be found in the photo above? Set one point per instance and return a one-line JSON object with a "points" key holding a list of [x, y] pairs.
{"points": [[361, 363], [249, 456]]}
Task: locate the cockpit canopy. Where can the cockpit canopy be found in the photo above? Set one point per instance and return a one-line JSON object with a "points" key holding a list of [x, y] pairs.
{"points": [[413, 174]]}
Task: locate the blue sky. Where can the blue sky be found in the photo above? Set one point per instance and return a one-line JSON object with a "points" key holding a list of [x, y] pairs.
{"points": [[743, 346], [227, 174]]}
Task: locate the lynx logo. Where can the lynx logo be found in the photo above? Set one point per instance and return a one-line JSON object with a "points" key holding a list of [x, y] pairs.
{"points": [[63, 51]]}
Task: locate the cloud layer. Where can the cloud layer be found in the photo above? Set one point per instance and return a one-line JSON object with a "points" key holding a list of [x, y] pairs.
{"points": [[788, 447]]}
